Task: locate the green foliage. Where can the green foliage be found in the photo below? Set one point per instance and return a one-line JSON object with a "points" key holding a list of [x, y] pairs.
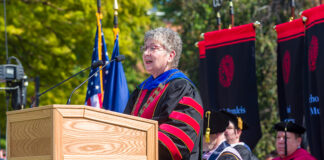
{"points": [[55, 39], [2, 142], [196, 17]]}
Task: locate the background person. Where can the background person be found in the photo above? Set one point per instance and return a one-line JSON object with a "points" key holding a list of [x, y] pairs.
{"points": [[233, 134], [215, 146], [169, 97], [288, 142]]}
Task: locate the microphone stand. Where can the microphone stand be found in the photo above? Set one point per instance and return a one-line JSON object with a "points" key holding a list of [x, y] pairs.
{"points": [[94, 65], [62, 82], [69, 100], [117, 59]]}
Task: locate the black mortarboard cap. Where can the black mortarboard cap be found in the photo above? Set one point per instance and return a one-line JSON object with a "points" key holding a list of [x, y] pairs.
{"points": [[289, 127], [236, 120], [217, 122]]}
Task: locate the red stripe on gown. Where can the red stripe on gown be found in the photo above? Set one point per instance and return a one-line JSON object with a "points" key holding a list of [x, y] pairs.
{"points": [[175, 153], [186, 119], [178, 133], [188, 101]]}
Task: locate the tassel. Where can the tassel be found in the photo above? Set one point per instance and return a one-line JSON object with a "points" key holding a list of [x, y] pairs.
{"points": [[207, 134], [240, 123]]}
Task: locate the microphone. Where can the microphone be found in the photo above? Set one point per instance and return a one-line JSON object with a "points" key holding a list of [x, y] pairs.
{"points": [[93, 66], [97, 64], [117, 59]]}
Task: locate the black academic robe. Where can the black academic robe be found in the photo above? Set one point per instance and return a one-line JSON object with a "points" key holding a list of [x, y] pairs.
{"points": [[245, 153], [224, 152], [178, 110]]}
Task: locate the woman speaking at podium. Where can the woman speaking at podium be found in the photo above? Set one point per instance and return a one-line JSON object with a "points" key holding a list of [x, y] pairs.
{"points": [[169, 97]]}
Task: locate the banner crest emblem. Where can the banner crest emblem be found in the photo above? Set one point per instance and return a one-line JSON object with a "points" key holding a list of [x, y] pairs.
{"points": [[286, 61], [226, 71], [313, 53]]}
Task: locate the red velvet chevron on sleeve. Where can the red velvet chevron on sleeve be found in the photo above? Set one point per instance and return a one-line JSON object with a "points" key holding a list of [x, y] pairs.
{"points": [[179, 116], [169, 144], [180, 134], [188, 101]]}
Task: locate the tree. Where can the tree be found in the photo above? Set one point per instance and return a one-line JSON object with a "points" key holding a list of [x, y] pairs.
{"points": [[54, 40]]}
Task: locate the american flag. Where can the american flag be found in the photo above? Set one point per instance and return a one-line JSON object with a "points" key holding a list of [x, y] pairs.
{"points": [[96, 84]]}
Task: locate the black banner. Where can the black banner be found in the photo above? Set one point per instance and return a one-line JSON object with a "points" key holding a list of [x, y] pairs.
{"points": [[290, 51], [203, 84], [231, 76], [314, 70]]}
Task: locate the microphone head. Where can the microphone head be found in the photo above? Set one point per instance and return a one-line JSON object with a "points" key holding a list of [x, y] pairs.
{"points": [[97, 64], [120, 58]]}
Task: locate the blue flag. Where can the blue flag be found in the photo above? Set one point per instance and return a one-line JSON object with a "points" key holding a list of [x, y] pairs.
{"points": [[116, 90], [96, 84]]}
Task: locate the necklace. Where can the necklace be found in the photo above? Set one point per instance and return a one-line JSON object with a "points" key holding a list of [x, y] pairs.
{"points": [[152, 97]]}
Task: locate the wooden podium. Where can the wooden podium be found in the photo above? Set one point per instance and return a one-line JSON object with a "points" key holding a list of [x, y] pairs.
{"points": [[77, 132]]}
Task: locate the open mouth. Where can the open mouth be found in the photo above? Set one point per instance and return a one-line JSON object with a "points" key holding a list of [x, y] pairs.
{"points": [[148, 62]]}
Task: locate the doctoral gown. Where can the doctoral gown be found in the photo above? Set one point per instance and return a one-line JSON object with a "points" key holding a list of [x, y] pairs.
{"points": [[173, 101], [299, 154]]}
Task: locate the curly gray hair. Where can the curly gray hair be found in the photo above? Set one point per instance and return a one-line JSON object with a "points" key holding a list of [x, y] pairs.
{"points": [[169, 39]]}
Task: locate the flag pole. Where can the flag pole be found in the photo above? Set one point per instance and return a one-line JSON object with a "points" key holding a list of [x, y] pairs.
{"points": [[231, 11], [99, 17], [219, 22], [292, 6], [217, 4], [115, 29], [99, 6]]}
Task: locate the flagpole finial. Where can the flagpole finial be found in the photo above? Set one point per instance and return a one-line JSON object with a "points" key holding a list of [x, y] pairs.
{"points": [[202, 35], [115, 5], [304, 19], [196, 44], [256, 24], [115, 29]]}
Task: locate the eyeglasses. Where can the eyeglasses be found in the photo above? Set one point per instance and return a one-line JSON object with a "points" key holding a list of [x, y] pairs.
{"points": [[151, 48]]}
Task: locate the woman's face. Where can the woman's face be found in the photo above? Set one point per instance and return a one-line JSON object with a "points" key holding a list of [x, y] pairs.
{"points": [[231, 134], [156, 58]]}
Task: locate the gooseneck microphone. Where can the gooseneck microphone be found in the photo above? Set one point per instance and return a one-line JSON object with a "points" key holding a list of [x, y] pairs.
{"points": [[93, 66], [117, 59], [97, 64]]}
